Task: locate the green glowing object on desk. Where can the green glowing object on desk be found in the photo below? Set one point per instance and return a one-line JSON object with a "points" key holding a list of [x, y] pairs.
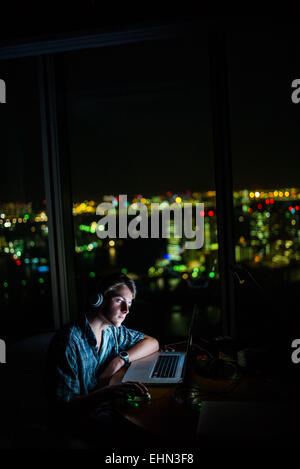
{"points": [[211, 274], [92, 274], [41, 280], [5, 284]]}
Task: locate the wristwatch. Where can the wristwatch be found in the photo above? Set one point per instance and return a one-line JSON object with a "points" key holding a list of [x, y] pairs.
{"points": [[125, 357]]}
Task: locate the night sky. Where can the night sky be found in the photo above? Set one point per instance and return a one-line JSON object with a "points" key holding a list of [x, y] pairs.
{"points": [[139, 118]]}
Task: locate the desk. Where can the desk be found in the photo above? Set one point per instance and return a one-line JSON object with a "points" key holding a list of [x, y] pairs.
{"points": [[163, 417]]}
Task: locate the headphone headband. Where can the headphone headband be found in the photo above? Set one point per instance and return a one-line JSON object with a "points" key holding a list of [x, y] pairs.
{"points": [[96, 300]]}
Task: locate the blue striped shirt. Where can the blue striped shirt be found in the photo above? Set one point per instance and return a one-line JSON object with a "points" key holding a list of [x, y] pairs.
{"points": [[75, 359]]}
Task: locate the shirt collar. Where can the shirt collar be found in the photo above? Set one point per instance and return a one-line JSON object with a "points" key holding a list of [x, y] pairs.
{"points": [[88, 332]]}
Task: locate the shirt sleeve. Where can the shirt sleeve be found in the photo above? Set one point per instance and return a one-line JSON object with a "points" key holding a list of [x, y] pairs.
{"points": [[128, 337], [65, 367]]}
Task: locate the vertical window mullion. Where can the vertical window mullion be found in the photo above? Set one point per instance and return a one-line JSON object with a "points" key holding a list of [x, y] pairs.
{"points": [[223, 177], [58, 189]]}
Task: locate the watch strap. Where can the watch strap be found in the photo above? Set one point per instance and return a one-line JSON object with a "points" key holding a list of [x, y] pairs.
{"points": [[125, 357]]}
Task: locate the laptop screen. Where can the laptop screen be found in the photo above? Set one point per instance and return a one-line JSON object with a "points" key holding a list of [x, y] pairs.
{"points": [[190, 339], [190, 334]]}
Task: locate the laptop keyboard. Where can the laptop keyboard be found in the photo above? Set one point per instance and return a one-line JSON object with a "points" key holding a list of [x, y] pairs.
{"points": [[165, 366]]}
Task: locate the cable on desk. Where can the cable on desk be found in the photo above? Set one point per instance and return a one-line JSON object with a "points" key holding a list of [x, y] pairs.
{"points": [[190, 395]]}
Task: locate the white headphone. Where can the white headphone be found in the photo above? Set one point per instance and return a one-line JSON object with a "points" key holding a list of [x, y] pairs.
{"points": [[96, 300]]}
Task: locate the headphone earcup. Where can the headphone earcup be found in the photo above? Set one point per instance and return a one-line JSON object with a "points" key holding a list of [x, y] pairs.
{"points": [[96, 300]]}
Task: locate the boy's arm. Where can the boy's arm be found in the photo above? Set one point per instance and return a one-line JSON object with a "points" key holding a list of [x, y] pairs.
{"points": [[143, 348], [106, 393]]}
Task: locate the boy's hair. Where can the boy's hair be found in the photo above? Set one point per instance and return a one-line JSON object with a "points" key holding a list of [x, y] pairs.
{"points": [[105, 288], [112, 282]]}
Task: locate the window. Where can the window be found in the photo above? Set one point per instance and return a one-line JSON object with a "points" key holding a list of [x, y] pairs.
{"points": [[140, 126], [265, 144], [25, 289]]}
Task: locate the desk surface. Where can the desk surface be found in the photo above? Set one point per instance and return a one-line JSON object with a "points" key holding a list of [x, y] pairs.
{"points": [[165, 417]]}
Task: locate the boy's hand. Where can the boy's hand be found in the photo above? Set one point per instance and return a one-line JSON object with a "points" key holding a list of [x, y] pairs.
{"points": [[120, 390]]}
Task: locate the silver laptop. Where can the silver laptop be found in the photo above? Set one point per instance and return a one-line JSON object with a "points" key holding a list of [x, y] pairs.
{"points": [[161, 367]]}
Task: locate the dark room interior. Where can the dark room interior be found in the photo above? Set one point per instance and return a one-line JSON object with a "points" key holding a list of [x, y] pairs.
{"points": [[154, 112]]}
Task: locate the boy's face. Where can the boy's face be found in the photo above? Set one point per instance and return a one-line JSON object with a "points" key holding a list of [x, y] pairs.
{"points": [[116, 308]]}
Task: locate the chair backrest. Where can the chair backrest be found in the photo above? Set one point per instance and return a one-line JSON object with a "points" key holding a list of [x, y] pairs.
{"points": [[26, 359]]}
